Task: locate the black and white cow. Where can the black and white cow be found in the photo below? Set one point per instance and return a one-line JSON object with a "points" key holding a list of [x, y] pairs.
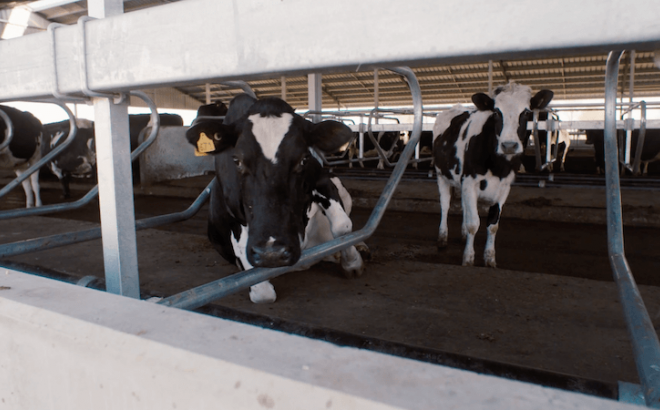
{"points": [[478, 152], [216, 109], [272, 198], [650, 150], [23, 151], [78, 160]]}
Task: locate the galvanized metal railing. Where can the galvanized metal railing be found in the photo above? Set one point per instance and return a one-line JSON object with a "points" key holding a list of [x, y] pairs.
{"points": [[646, 347], [68, 206], [10, 130], [45, 159], [69, 238], [209, 292]]}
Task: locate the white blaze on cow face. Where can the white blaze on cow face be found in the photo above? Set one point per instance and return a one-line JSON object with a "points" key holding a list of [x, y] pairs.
{"points": [[269, 132], [511, 102]]}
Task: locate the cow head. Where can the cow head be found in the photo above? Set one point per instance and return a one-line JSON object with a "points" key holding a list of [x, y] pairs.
{"points": [[513, 107], [267, 171]]}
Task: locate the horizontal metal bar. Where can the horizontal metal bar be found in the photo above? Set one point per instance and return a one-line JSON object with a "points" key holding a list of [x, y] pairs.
{"points": [[55, 241], [206, 293], [222, 40]]}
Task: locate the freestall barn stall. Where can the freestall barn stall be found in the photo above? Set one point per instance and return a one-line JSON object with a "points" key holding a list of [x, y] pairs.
{"points": [[75, 347]]}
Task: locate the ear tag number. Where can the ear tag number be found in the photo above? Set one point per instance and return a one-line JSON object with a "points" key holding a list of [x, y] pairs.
{"points": [[204, 145]]}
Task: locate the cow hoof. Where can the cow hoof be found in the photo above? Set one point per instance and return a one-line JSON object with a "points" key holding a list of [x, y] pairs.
{"points": [[262, 292], [442, 243], [489, 259], [354, 268], [364, 250]]}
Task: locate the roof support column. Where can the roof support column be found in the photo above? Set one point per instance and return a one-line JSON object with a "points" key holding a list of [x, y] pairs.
{"points": [[376, 93], [115, 182], [315, 96], [283, 81]]}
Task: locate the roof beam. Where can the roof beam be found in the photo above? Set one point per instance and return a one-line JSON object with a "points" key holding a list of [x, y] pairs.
{"points": [[131, 51]]}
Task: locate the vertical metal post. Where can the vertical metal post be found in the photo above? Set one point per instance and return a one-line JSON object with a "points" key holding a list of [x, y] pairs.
{"points": [[376, 93], [315, 96], [644, 339], [115, 181], [208, 93], [283, 81]]}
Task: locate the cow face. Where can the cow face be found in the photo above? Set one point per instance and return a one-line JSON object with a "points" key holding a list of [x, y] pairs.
{"points": [[513, 107], [265, 166]]}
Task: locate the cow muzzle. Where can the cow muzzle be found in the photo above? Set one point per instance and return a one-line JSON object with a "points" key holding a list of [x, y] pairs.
{"points": [[510, 147], [272, 256]]}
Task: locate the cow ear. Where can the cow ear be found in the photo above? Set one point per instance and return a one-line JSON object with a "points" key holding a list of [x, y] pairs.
{"points": [[541, 99], [483, 102], [211, 137], [328, 136]]}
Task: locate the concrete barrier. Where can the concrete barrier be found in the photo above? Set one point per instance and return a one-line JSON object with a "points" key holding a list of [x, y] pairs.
{"points": [[68, 347]]}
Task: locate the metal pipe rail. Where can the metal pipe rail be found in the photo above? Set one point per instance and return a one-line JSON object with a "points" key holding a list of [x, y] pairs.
{"points": [[209, 292], [10, 130], [34, 168], [69, 238], [92, 193], [646, 347]]}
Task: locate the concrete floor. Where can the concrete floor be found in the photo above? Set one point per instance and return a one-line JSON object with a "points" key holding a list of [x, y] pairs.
{"points": [[549, 317]]}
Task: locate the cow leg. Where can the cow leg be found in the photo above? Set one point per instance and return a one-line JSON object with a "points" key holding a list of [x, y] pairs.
{"points": [[445, 200], [493, 223], [34, 179], [27, 187], [469, 196], [336, 203]]}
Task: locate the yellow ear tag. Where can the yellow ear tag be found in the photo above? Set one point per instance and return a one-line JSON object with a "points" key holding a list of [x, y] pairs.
{"points": [[204, 145]]}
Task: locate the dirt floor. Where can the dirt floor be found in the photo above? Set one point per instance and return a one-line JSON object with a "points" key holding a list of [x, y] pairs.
{"points": [[551, 304]]}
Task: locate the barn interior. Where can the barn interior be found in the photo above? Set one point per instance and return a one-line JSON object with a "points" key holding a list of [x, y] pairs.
{"points": [[550, 315]]}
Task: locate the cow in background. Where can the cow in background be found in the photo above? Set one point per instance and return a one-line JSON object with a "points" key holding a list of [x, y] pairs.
{"points": [[650, 150], [390, 142], [77, 160], [216, 109], [23, 151], [561, 135], [271, 198], [479, 153]]}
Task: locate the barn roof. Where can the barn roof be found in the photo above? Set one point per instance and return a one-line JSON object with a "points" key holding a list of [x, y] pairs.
{"points": [[570, 77]]}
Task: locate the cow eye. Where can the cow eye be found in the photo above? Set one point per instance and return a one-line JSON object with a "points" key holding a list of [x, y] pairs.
{"points": [[302, 163], [217, 136]]}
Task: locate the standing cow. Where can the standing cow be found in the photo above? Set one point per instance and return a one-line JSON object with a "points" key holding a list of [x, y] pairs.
{"points": [[650, 150], [23, 151], [271, 198], [478, 152]]}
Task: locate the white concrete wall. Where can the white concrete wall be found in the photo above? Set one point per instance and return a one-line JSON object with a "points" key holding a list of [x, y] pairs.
{"points": [[67, 347]]}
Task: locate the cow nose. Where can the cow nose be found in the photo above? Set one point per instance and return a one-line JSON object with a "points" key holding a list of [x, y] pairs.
{"points": [[510, 147], [272, 256]]}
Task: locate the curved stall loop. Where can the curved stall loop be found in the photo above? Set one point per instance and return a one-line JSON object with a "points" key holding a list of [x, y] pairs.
{"points": [[10, 130], [234, 84], [67, 206], [73, 130], [644, 339], [209, 292]]}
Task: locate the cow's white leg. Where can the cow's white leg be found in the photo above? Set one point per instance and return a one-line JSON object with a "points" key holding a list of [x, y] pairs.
{"points": [[262, 292], [341, 224], [34, 179], [469, 196], [27, 187], [444, 190]]}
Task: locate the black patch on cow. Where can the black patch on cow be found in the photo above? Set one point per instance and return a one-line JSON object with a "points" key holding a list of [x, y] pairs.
{"points": [[444, 146], [483, 185], [493, 215], [27, 132], [481, 155]]}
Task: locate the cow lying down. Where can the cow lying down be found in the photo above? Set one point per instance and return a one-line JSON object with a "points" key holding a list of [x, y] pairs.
{"points": [[271, 198]]}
